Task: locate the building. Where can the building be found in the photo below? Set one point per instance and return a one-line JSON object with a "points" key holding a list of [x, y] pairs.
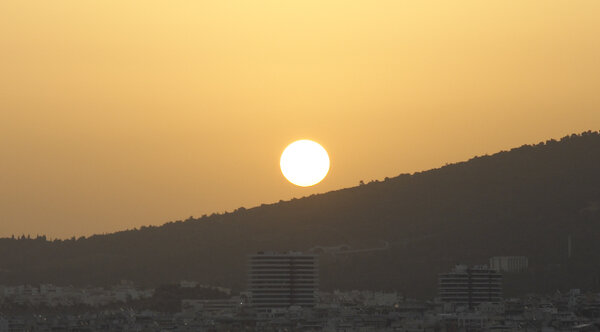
{"points": [[281, 280], [470, 286], [509, 263]]}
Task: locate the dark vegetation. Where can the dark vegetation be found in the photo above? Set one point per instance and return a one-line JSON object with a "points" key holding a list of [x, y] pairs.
{"points": [[526, 201], [166, 298]]}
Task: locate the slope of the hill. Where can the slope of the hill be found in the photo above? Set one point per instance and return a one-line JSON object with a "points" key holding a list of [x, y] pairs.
{"points": [[526, 201]]}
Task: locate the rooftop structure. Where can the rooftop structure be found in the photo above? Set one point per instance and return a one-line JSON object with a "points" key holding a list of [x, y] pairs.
{"points": [[509, 263]]}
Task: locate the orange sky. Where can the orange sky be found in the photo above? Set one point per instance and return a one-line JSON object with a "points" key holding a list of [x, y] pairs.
{"points": [[117, 114]]}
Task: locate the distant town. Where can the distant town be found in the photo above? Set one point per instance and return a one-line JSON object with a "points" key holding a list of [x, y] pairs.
{"points": [[283, 295]]}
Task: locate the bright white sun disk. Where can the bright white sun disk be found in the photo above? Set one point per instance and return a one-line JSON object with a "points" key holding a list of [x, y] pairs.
{"points": [[304, 163]]}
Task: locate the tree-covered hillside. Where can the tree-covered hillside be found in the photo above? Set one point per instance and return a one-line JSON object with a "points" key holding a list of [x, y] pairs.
{"points": [[526, 201]]}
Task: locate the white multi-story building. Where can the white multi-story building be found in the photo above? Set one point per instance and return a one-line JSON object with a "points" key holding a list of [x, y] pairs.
{"points": [[281, 280], [470, 286], [509, 263]]}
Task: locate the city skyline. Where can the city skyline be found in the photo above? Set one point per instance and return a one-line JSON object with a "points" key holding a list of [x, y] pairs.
{"points": [[338, 165]]}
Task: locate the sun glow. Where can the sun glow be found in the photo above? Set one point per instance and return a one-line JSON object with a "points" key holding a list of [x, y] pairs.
{"points": [[304, 163]]}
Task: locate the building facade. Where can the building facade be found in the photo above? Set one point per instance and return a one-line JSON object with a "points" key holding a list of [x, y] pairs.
{"points": [[509, 263], [470, 286], [281, 280]]}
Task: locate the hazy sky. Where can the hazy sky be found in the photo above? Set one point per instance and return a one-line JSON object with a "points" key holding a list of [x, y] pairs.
{"points": [[117, 114]]}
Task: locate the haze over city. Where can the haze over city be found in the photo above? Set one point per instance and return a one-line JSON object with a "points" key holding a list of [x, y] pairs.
{"points": [[120, 114]]}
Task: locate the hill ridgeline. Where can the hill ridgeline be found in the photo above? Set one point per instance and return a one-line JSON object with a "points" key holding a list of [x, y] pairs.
{"points": [[398, 234]]}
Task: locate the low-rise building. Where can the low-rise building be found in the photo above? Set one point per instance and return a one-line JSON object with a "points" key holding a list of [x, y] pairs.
{"points": [[509, 263]]}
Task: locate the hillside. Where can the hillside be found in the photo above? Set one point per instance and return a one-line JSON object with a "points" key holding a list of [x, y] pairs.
{"points": [[525, 201]]}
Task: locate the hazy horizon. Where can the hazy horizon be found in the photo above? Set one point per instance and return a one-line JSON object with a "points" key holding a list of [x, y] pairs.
{"points": [[122, 114]]}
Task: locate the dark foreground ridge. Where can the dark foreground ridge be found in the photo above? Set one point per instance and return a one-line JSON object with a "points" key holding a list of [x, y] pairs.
{"points": [[395, 234]]}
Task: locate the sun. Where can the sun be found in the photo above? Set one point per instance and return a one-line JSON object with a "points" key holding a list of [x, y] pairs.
{"points": [[304, 163]]}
